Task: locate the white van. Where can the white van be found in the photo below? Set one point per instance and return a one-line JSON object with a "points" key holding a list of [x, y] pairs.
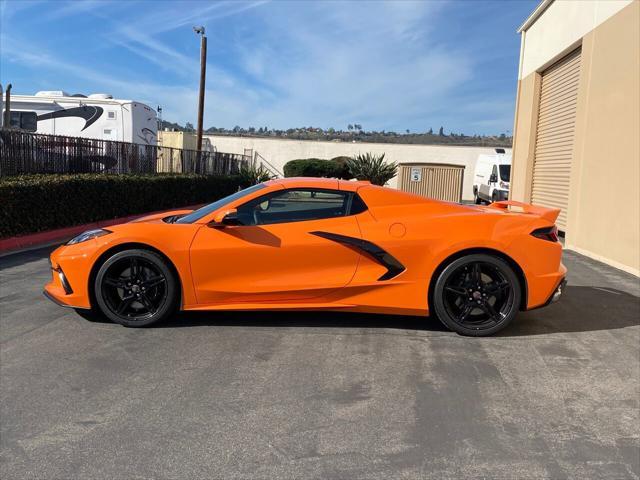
{"points": [[491, 179]]}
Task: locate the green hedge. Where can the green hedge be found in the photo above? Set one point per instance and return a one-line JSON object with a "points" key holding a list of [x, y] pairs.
{"points": [[34, 203], [316, 167]]}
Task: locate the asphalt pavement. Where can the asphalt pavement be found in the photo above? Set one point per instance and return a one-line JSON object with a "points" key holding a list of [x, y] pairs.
{"points": [[320, 395]]}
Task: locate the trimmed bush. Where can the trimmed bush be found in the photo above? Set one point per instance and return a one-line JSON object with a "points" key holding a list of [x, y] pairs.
{"points": [[316, 167], [342, 161], [35, 203]]}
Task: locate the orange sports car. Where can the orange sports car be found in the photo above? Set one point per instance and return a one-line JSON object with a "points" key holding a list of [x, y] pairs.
{"points": [[319, 244]]}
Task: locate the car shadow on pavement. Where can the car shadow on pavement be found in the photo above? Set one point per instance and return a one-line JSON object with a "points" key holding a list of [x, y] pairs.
{"points": [[582, 309], [302, 319]]}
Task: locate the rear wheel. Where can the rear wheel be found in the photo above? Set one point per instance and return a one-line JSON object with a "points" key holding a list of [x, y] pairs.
{"points": [[476, 199], [477, 295], [136, 288]]}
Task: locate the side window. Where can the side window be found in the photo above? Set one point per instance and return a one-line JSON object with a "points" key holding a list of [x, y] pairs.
{"points": [[24, 120], [29, 121], [295, 205]]}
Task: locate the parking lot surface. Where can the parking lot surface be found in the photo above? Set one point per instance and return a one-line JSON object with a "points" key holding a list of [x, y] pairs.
{"points": [[320, 395]]}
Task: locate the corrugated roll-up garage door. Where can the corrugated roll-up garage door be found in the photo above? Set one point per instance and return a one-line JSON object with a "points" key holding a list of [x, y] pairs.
{"points": [[554, 136], [443, 182]]}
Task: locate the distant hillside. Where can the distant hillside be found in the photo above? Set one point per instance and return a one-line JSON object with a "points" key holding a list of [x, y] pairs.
{"points": [[357, 134]]}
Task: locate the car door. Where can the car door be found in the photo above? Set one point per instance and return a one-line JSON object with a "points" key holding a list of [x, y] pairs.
{"points": [[485, 186], [274, 255]]}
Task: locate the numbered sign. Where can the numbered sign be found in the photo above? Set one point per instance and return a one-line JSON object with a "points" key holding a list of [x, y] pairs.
{"points": [[416, 174]]}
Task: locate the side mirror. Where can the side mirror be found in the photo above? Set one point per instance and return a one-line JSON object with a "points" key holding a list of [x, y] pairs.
{"points": [[493, 178], [225, 218]]}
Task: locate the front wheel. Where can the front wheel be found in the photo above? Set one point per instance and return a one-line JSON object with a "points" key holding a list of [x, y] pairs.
{"points": [[136, 288], [477, 295]]}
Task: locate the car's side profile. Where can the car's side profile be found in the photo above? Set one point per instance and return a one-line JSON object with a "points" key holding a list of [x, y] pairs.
{"points": [[319, 244]]}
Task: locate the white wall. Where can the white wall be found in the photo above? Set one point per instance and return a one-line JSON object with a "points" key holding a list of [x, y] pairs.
{"points": [[280, 151], [560, 27]]}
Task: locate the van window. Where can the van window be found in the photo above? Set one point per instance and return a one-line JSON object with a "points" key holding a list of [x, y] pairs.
{"points": [[24, 121], [505, 172]]}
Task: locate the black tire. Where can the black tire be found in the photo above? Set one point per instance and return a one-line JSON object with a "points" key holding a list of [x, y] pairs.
{"points": [[136, 288], [477, 295], [494, 198], [476, 199]]}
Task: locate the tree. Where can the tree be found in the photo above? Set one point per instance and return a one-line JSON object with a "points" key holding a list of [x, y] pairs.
{"points": [[357, 126], [430, 132], [407, 130], [349, 127], [441, 132], [189, 127]]}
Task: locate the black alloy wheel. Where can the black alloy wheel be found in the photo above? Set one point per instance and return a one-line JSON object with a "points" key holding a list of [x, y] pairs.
{"points": [[477, 295], [135, 288]]}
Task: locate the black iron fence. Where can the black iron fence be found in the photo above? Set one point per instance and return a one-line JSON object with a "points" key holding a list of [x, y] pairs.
{"points": [[23, 152]]}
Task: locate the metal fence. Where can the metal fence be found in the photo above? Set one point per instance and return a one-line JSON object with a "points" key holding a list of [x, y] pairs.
{"points": [[23, 152]]}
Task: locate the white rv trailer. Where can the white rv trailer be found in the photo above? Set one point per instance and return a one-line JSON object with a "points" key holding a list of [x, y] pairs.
{"points": [[94, 116]]}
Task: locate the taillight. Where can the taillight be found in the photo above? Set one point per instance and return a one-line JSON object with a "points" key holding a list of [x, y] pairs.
{"points": [[546, 233]]}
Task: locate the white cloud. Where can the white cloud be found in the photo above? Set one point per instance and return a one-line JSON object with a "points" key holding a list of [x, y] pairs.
{"points": [[289, 64]]}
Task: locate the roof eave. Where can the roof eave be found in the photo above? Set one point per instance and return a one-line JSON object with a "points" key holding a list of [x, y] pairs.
{"points": [[542, 6]]}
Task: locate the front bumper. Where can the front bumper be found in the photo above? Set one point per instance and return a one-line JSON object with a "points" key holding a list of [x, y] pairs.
{"points": [[502, 195], [68, 284]]}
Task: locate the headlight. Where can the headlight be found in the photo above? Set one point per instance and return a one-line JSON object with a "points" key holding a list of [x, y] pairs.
{"points": [[88, 235]]}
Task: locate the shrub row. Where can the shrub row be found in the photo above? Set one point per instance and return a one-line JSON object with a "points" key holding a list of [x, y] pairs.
{"points": [[316, 167], [34, 203]]}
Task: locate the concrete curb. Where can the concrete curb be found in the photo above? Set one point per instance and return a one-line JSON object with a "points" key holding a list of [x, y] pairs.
{"points": [[23, 243]]}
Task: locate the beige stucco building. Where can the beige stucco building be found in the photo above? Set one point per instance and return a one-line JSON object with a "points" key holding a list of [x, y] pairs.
{"points": [[577, 124], [279, 151], [183, 140]]}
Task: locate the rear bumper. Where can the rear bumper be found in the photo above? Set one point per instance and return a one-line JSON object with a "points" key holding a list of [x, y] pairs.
{"points": [[554, 286], [556, 295], [559, 291]]}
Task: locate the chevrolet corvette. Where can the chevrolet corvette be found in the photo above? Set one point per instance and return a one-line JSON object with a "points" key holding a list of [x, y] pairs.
{"points": [[319, 244]]}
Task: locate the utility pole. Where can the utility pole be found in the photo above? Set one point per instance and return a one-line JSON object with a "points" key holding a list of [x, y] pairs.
{"points": [[6, 122], [203, 72]]}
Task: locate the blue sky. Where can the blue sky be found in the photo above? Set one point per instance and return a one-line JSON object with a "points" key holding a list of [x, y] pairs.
{"points": [[386, 65]]}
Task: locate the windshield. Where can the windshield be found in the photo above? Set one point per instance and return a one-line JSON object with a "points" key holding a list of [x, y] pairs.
{"points": [[212, 207], [505, 172]]}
